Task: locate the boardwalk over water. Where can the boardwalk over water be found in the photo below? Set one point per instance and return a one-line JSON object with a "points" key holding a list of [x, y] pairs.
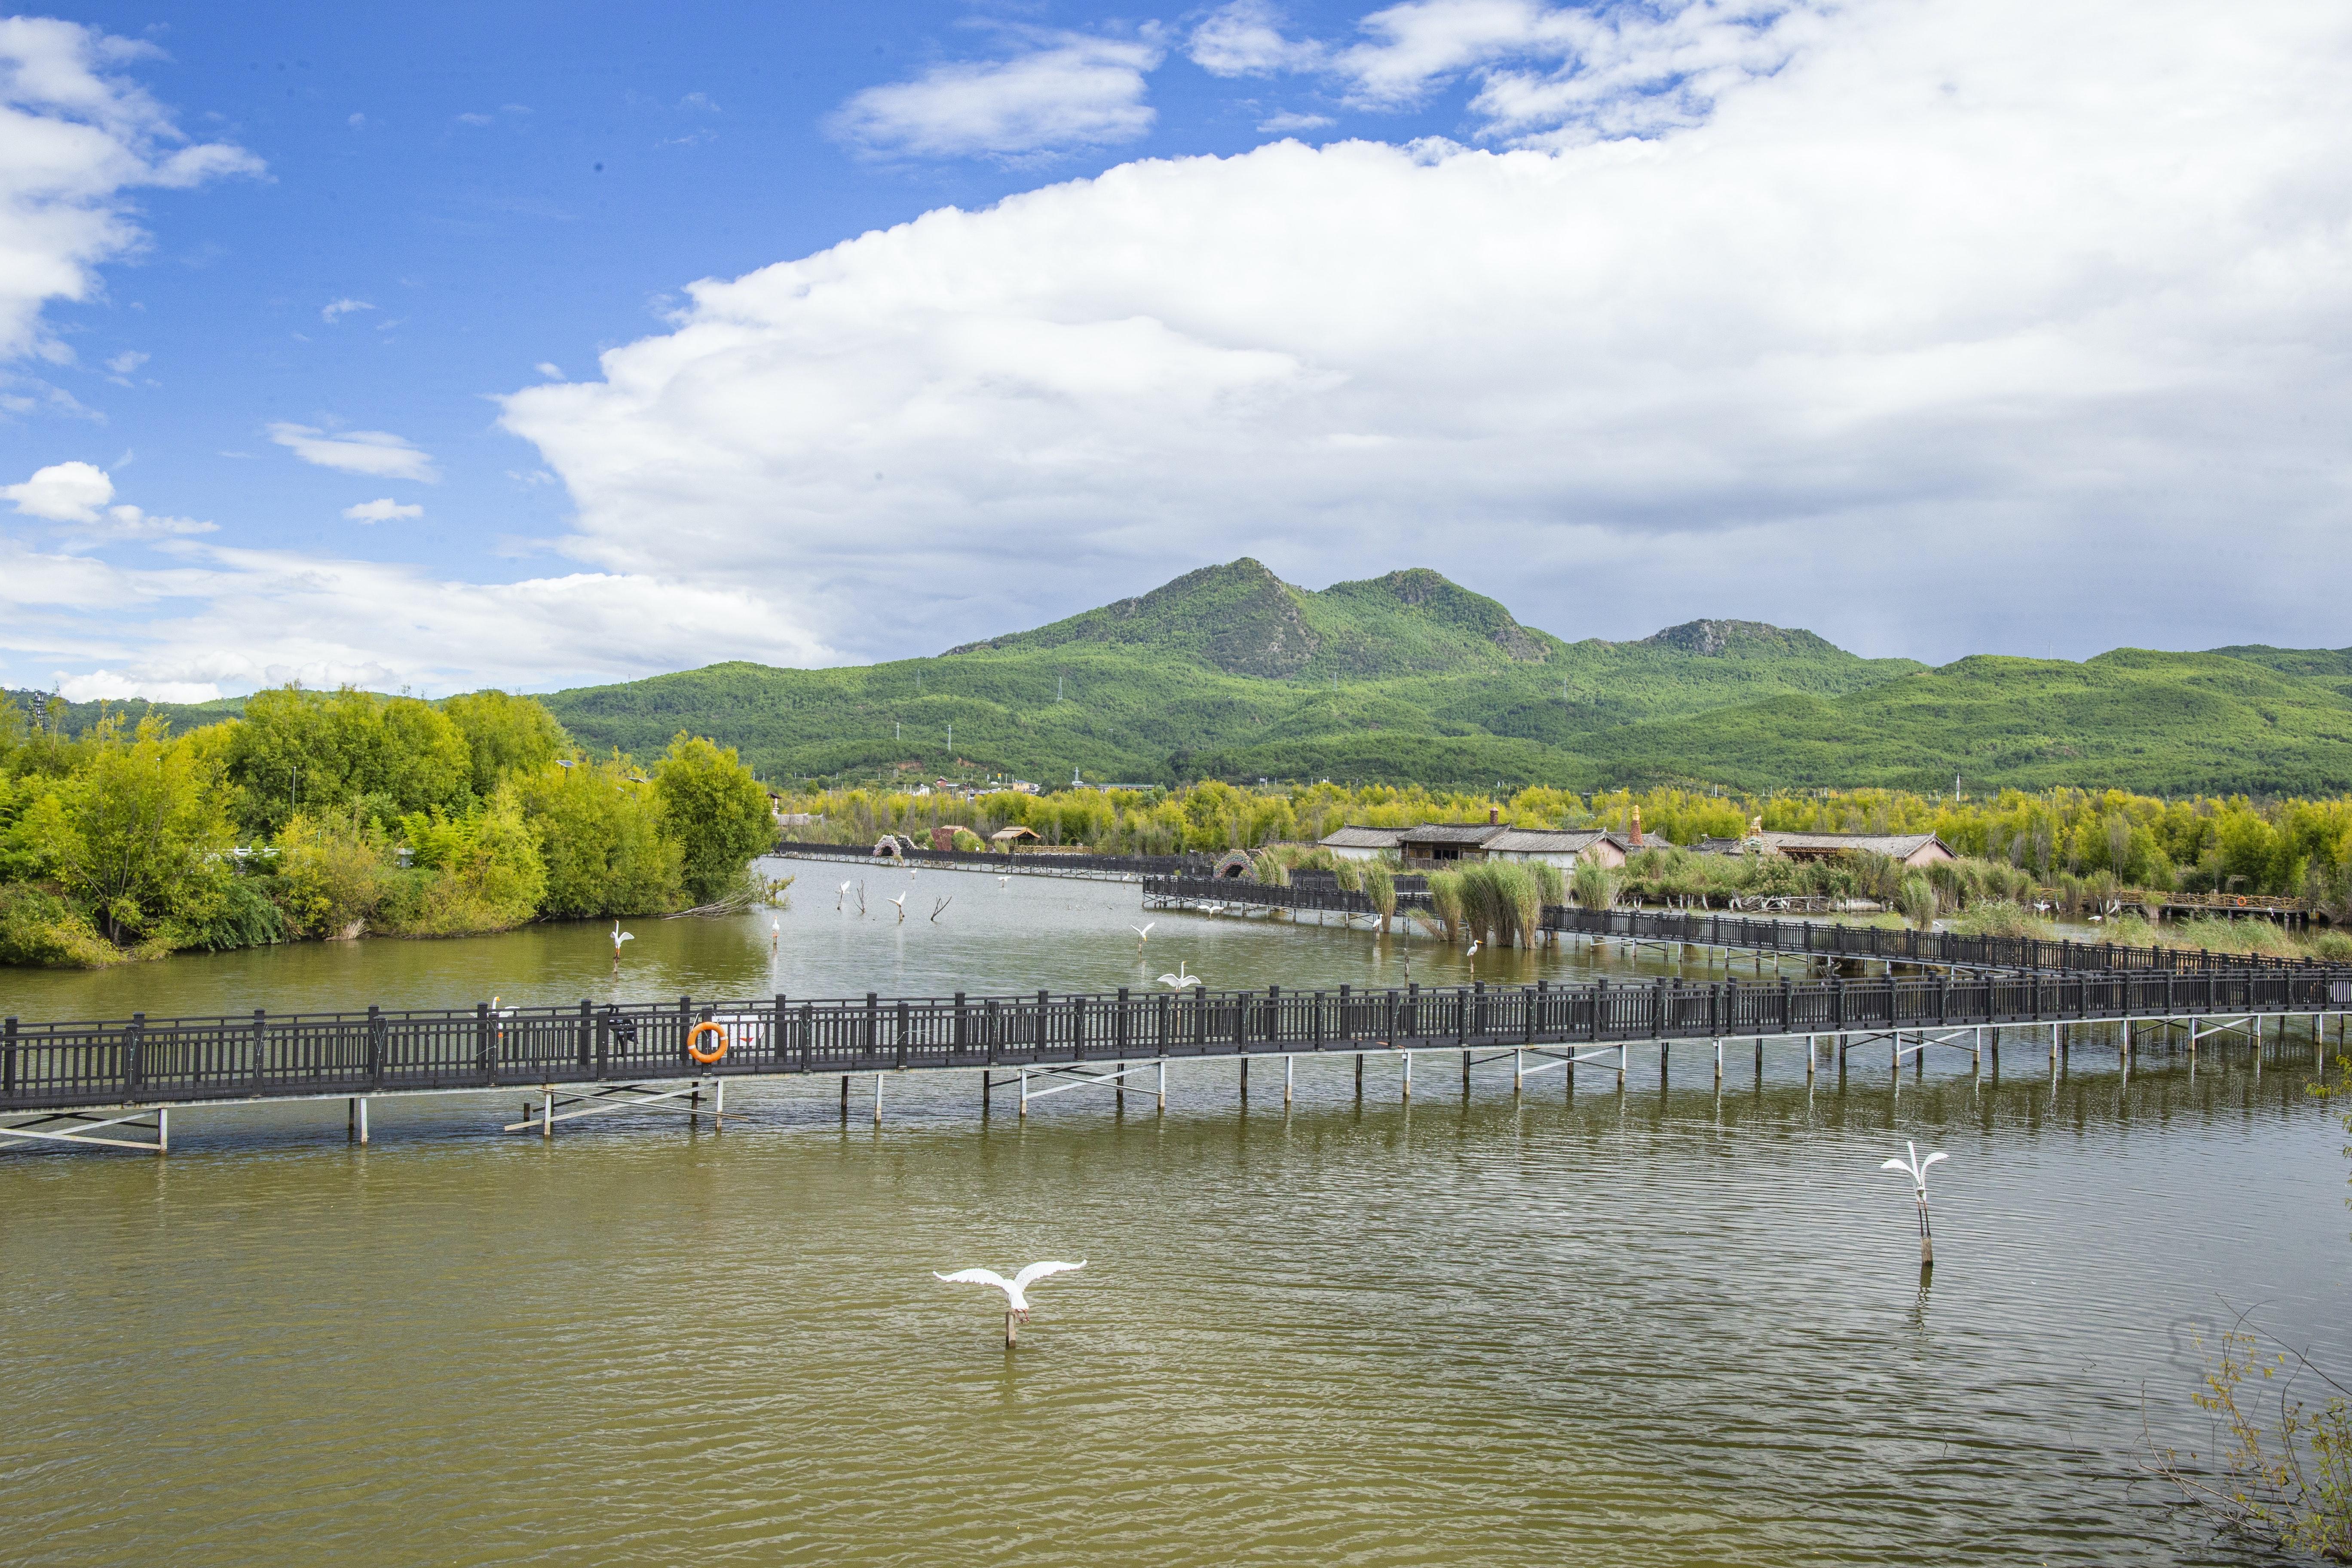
{"points": [[1748, 933], [86, 1082]]}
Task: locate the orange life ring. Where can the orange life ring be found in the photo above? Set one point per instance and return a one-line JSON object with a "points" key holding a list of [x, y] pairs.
{"points": [[2241, 903], [712, 1056]]}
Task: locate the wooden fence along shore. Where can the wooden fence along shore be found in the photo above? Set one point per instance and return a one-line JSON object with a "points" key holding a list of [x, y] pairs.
{"points": [[1820, 939], [90, 1083]]}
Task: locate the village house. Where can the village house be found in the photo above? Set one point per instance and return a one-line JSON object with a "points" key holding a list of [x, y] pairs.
{"points": [[1443, 843], [1911, 848]]}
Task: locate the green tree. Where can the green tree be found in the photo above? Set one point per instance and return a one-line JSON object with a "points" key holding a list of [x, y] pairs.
{"points": [[715, 810], [136, 833], [479, 872], [506, 737], [333, 873], [297, 750], [600, 835]]}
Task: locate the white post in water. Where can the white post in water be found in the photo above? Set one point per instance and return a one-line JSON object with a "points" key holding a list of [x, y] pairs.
{"points": [[877, 1098], [547, 1113], [719, 1108], [1916, 1168], [1289, 1079], [1408, 1075], [1024, 1094], [1163, 1086]]}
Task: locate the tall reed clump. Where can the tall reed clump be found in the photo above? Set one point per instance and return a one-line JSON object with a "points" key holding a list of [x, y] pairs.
{"points": [[1380, 886], [1550, 885], [1445, 902], [1917, 902], [1999, 917], [1348, 874], [1594, 886]]}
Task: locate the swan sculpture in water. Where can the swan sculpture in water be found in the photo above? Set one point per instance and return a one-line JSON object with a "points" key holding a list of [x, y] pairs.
{"points": [[1016, 1289]]}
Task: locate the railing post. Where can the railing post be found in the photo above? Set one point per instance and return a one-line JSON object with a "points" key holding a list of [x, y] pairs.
{"points": [[260, 1046], [1274, 1014], [585, 1040], [375, 1045], [808, 1032], [962, 1025], [134, 1048], [605, 1042], [1118, 1026], [8, 1059], [872, 1045], [483, 1058], [776, 1040], [901, 1054]]}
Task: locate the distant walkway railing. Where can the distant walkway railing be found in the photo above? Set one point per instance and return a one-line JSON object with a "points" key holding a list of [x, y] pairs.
{"points": [[258, 1055], [1046, 861], [1802, 938], [1236, 891]]}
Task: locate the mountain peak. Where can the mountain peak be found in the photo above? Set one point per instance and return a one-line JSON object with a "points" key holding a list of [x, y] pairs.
{"points": [[1718, 639], [1238, 617]]}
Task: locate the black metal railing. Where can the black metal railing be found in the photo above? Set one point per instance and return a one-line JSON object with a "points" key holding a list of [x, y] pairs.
{"points": [[1822, 937], [262, 1056], [1308, 896], [1939, 947], [1018, 860]]}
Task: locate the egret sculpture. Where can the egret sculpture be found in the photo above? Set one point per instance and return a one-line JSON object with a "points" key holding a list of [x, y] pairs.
{"points": [[620, 936], [1142, 931], [1916, 1168], [901, 901], [1016, 1298], [1472, 951], [1005, 881], [1180, 979], [843, 896]]}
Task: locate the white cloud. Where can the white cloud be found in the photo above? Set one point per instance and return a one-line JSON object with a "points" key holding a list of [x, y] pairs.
{"points": [[1071, 91], [336, 310], [552, 372], [231, 620], [79, 137], [112, 686], [383, 510], [1943, 311], [477, 119], [1244, 38], [63, 492], [126, 361], [377, 453], [1285, 123]]}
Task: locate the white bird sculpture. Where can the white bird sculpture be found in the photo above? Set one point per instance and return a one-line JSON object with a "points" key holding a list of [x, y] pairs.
{"points": [[1472, 951], [901, 901], [1005, 881], [1180, 979], [1916, 1168], [1142, 931], [844, 895], [1016, 1297], [620, 936]]}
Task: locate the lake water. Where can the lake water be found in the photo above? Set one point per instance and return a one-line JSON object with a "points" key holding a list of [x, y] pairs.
{"points": [[1660, 1327]]}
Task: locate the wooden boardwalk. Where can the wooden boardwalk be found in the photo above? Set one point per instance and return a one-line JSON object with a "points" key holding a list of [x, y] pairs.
{"points": [[99, 1082]]}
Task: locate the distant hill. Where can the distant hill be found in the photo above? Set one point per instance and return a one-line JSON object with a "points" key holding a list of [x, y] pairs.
{"points": [[1229, 672]]}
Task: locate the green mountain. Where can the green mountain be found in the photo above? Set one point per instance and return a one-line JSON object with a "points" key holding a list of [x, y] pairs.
{"points": [[1230, 672], [2261, 720]]}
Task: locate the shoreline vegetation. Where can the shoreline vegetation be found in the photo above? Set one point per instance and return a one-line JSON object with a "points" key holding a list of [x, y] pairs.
{"points": [[332, 815], [2025, 859]]}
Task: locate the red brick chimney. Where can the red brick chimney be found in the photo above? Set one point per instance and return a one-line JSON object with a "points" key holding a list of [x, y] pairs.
{"points": [[1494, 815]]}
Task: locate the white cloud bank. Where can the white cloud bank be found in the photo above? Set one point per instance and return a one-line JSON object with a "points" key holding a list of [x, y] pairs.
{"points": [[1071, 90], [76, 138], [1956, 323], [383, 510], [376, 453]]}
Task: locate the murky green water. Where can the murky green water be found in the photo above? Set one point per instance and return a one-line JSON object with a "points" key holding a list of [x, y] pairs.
{"points": [[1666, 1327]]}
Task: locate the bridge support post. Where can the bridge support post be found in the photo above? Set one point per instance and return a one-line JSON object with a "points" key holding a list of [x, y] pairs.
{"points": [[1809, 1057], [844, 1099], [356, 1126], [1465, 1073], [1718, 1065], [1164, 1082], [164, 1130], [1518, 1071], [1621, 1067], [718, 1105], [546, 1112], [1289, 1079], [1359, 1078], [1024, 1094], [1245, 1078], [877, 1098], [1407, 1095]]}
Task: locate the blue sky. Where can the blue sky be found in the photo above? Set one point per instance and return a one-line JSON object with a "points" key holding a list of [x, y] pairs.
{"points": [[454, 346]]}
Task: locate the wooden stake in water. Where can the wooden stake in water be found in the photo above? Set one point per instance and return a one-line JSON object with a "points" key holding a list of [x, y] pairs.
{"points": [[1916, 1168]]}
